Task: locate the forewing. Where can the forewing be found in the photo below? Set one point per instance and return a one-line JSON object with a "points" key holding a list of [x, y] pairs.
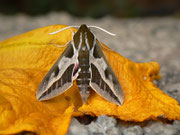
{"points": [[60, 77], [103, 79]]}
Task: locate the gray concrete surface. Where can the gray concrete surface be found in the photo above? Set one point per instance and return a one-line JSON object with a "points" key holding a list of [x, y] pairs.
{"points": [[139, 39]]}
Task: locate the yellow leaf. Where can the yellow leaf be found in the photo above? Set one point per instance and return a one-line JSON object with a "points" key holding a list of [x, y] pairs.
{"points": [[143, 100], [25, 60]]}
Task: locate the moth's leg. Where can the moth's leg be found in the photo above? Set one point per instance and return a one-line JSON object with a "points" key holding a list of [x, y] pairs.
{"points": [[72, 32], [104, 46], [62, 45], [67, 42], [76, 70]]}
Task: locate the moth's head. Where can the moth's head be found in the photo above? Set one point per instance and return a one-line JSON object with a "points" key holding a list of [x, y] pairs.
{"points": [[83, 36], [84, 28]]}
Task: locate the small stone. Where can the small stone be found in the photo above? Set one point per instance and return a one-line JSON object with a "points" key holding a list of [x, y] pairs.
{"points": [[104, 125], [158, 128], [134, 130], [77, 129]]}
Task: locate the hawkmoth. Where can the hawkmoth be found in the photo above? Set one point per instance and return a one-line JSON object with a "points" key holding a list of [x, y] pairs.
{"points": [[83, 61]]}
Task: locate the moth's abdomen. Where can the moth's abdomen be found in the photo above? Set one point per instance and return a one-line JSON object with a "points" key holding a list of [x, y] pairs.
{"points": [[83, 79]]}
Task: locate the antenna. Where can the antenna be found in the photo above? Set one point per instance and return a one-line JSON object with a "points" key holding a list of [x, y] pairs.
{"points": [[62, 30], [112, 34]]}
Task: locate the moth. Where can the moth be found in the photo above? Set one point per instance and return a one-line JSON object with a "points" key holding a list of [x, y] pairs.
{"points": [[83, 61]]}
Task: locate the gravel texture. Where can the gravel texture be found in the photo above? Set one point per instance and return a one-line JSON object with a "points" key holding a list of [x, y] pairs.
{"points": [[139, 39]]}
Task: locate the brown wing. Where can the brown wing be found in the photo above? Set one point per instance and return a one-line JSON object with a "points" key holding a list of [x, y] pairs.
{"points": [[103, 79], [60, 77]]}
